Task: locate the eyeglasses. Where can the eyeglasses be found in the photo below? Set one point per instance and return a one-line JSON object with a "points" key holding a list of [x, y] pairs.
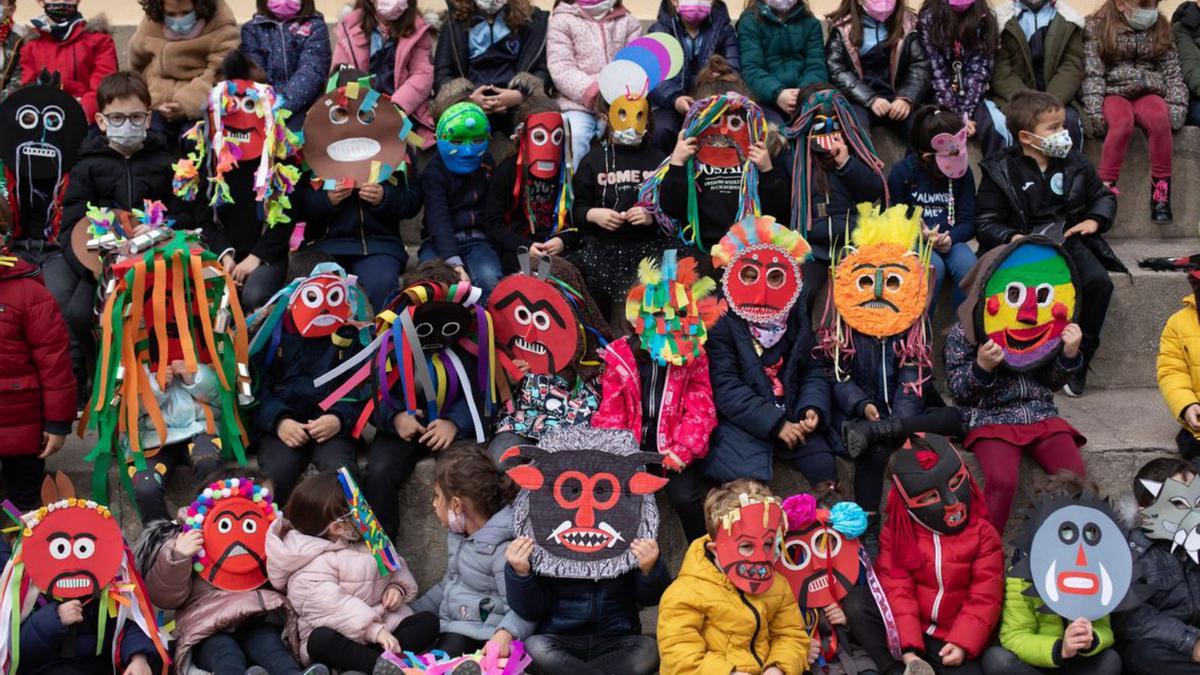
{"points": [[118, 119]]}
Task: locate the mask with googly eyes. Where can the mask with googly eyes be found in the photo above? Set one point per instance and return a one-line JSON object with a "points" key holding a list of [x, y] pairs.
{"points": [[354, 135]]}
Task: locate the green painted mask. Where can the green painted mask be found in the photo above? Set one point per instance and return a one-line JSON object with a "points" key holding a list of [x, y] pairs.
{"points": [[463, 135]]}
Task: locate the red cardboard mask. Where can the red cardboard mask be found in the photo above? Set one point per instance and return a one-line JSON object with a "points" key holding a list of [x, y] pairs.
{"points": [[747, 544], [72, 547], [542, 141], [762, 278], [243, 117], [320, 306], [820, 563], [725, 142], [233, 515], [534, 323]]}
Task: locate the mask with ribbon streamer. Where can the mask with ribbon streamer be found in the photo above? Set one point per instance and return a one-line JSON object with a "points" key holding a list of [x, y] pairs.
{"points": [[671, 309], [386, 557], [544, 156]]}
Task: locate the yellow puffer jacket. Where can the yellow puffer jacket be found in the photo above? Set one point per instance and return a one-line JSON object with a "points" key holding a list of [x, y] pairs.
{"points": [[1179, 360], [706, 626]]}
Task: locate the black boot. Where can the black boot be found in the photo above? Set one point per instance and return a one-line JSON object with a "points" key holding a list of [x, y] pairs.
{"points": [[827, 494], [1160, 200], [870, 538], [860, 435]]}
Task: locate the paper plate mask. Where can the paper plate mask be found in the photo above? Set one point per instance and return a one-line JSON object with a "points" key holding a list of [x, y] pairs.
{"points": [[364, 520], [463, 136], [761, 259], [72, 547], [233, 516], [586, 495], [748, 543], [1076, 556], [354, 135], [671, 309], [627, 81], [1175, 515], [820, 550], [935, 484], [1029, 296], [534, 317]]}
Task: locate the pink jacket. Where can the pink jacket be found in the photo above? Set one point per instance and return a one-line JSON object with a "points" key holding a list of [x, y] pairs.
{"points": [[687, 414], [578, 47], [414, 66], [334, 584]]}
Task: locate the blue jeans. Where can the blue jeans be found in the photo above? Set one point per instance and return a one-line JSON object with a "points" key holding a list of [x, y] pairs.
{"points": [[584, 127], [593, 654], [478, 256], [378, 274], [958, 260], [254, 643]]}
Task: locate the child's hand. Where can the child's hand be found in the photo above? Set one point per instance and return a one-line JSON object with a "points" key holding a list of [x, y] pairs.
{"points": [[517, 555], [871, 413], [371, 193], [392, 597], [841, 154], [773, 670], [881, 107], [791, 434], [683, 104], [51, 443], [1191, 416], [760, 156], [1088, 226], [188, 544], [138, 665], [638, 216], [323, 428], [1076, 638], [900, 109], [522, 365], [462, 274], [607, 219], [553, 246], [439, 434], [244, 269], [292, 433], [70, 612], [952, 655], [787, 100], [228, 262], [338, 195], [502, 639], [1072, 335], [811, 421], [386, 640], [970, 127], [834, 613], [943, 243], [408, 426], [989, 356], [646, 552], [685, 148]]}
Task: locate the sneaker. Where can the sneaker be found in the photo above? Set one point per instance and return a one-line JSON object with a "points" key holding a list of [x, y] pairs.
{"points": [[1160, 201], [1076, 383]]}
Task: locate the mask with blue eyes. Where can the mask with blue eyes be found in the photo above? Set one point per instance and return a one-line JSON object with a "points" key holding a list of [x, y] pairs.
{"points": [[463, 136]]}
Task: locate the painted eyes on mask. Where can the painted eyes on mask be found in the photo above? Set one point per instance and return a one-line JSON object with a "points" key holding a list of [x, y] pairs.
{"points": [[541, 136], [539, 319], [61, 548], [891, 281], [1068, 533], [958, 479], [449, 329], [1015, 293], [225, 525], [1182, 504], [51, 118], [927, 499]]}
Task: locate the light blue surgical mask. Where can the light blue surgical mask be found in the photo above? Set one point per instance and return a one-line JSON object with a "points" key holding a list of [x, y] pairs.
{"points": [[181, 25], [1143, 18]]}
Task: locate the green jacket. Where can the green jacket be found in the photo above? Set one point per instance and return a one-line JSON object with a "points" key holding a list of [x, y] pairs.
{"points": [[1062, 63], [1186, 23], [1036, 636], [780, 54]]}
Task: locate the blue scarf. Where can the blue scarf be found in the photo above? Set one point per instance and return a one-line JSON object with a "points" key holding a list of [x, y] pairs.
{"points": [[483, 35]]}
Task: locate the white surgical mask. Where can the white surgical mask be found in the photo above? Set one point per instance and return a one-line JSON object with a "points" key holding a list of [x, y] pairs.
{"points": [[781, 5], [597, 9], [390, 10], [181, 25], [127, 138], [490, 7], [1143, 18]]}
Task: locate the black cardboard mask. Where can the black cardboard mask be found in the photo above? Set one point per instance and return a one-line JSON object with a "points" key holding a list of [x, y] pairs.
{"points": [[43, 129], [935, 484]]}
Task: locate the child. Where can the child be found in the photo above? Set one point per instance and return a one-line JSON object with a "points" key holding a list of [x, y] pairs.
{"points": [[875, 57], [1041, 48], [12, 37], [471, 498], [1186, 25], [1176, 363], [1069, 192], [1132, 76], [960, 38], [937, 178], [62, 43], [704, 30], [703, 623], [288, 39], [782, 52], [583, 37]]}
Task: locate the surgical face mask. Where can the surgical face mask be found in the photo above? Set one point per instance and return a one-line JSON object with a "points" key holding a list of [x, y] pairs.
{"points": [[181, 25], [694, 11], [781, 6], [390, 10], [284, 10], [127, 138], [880, 10], [597, 9], [1056, 145], [60, 11], [456, 521], [961, 6], [490, 7], [1143, 18], [627, 120]]}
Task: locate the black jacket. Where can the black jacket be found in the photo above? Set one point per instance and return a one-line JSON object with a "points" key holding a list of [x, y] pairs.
{"points": [[1169, 611], [607, 607], [453, 203], [238, 226], [835, 210], [287, 381], [716, 36], [609, 177], [718, 206], [451, 59], [507, 226], [911, 78], [355, 227], [875, 376]]}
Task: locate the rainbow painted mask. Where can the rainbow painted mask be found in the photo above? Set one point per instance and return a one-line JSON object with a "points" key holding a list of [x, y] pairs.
{"points": [[1028, 299]]}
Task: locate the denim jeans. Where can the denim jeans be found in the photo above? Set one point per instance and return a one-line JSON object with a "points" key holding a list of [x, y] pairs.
{"points": [[254, 643], [593, 654], [999, 661], [585, 126], [378, 274], [478, 256], [958, 261]]}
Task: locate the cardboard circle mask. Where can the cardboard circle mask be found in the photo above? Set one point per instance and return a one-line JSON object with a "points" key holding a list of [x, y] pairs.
{"points": [[72, 547], [43, 129], [820, 563], [439, 324], [881, 287], [354, 135], [463, 136], [628, 117], [233, 515], [1175, 515], [1029, 296], [935, 484], [534, 322], [762, 278], [320, 306], [1079, 560], [670, 310], [748, 543], [542, 141]]}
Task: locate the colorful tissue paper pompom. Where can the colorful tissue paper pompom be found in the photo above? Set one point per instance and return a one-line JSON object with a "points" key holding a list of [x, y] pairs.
{"points": [[847, 518], [800, 509]]}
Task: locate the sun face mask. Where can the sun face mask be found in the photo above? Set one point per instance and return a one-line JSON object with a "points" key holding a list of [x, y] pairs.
{"points": [[463, 137], [354, 135], [1175, 515], [761, 259], [670, 311], [542, 141], [1027, 301], [748, 542], [534, 322], [950, 153], [321, 305], [935, 485], [72, 547], [627, 119], [819, 561], [233, 516]]}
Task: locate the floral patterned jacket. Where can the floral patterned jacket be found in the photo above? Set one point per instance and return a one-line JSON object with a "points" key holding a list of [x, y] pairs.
{"points": [[961, 73]]}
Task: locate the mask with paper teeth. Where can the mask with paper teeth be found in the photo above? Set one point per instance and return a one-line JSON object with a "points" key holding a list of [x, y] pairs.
{"points": [[354, 135]]}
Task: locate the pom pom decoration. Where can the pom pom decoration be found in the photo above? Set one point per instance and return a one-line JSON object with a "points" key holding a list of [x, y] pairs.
{"points": [[849, 519], [233, 515]]}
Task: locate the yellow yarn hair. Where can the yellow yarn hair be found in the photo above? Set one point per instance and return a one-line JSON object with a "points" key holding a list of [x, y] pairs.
{"points": [[893, 226]]}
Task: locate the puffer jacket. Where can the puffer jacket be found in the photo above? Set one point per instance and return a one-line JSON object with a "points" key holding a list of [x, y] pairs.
{"points": [[1133, 73], [708, 626], [295, 55], [716, 36], [909, 73], [976, 71], [201, 609], [452, 58], [37, 386], [183, 71], [780, 52], [286, 381], [875, 377], [1186, 25], [471, 599], [686, 415], [334, 584], [1036, 636], [1179, 361], [355, 227], [1170, 602], [578, 47], [1062, 56], [83, 58]]}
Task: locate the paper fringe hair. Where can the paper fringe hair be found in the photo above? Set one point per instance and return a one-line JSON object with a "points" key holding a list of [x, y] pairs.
{"points": [[653, 293], [205, 306], [386, 557], [753, 232]]}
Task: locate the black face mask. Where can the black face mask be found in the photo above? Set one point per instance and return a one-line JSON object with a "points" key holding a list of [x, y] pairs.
{"points": [[440, 324], [60, 11], [939, 496]]}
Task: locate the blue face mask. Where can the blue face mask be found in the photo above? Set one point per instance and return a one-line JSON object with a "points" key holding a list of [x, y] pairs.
{"points": [[181, 25], [463, 157]]}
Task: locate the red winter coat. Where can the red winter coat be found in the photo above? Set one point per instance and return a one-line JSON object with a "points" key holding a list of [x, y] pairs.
{"points": [[83, 59], [687, 416], [37, 387]]}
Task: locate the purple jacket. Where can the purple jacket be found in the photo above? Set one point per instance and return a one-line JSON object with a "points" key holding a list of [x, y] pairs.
{"points": [[976, 71]]}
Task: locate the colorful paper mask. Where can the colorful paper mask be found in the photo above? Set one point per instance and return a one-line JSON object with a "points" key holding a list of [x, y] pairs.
{"points": [[761, 259], [368, 526], [542, 143], [670, 309], [726, 141], [354, 135], [463, 136], [320, 305], [819, 558], [935, 485], [233, 516], [72, 547], [1175, 515], [586, 495], [534, 320], [634, 72], [950, 153], [628, 118], [748, 543]]}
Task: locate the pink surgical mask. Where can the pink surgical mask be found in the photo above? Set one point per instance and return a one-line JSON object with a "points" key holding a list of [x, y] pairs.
{"points": [[950, 153], [694, 11], [456, 522], [961, 6], [284, 10], [879, 10], [390, 10]]}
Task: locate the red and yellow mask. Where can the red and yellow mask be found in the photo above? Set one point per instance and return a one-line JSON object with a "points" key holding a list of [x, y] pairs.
{"points": [[233, 515], [761, 259], [881, 287], [1028, 299], [748, 543]]}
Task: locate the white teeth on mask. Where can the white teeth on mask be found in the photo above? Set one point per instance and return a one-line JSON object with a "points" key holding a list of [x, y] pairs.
{"points": [[1051, 586], [238, 137], [818, 584], [353, 149], [237, 550], [30, 151], [545, 166], [616, 536], [1106, 586], [556, 534], [528, 346]]}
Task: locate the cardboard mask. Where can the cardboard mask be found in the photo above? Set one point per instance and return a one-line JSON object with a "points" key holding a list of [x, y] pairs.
{"points": [[386, 557], [535, 322], [726, 141], [233, 516], [321, 305], [761, 259], [243, 115], [935, 484], [1028, 298], [463, 136], [72, 547], [950, 153], [1175, 515], [327, 303], [819, 560], [748, 543], [628, 118], [881, 287], [542, 144], [586, 495], [354, 135], [670, 309]]}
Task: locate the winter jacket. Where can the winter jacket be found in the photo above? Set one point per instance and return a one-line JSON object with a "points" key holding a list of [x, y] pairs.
{"points": [[508, 227], [963, 98], [355, 227], [453, 203], [471, 600], [743, 443], [954, 595], [600, 607], [452, 58], [717, 197], [716, 36], [876, 378], [1186, 24], [286, 382], [82, 59], [183, 71], [43, 640], [610, 177], [37, 385], [238, 227], [1035, 636], [578, 47], [910, 183], [10, 60], [1170, 600], [686, 413], [780, 52], [413, 78], [1062, 57], [201, 609], [708, 626], [1133, 73], [456, 410], [835, 211], [909, 72], [335, 584], [1179, 361], [295, 55]]}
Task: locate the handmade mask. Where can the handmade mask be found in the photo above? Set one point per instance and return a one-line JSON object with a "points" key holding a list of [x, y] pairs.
{"points": [[586, 496], [1175, 515], [354, 135], [233, 516], [243, 114], [725, 142], [463, 137], [535, 322], [320, 305], [72, 547], [935, 485], [819, 561], [881, 287], [627, 80], [748, 542], [627, 119], [826, 130], [950, 153], [761, 259], [386, 557], [542, 141], [670, 310]]}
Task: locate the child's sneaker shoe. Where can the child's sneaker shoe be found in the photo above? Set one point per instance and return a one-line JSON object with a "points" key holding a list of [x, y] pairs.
{"points": [[317, 669], [385, 666], [919, 667]]}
